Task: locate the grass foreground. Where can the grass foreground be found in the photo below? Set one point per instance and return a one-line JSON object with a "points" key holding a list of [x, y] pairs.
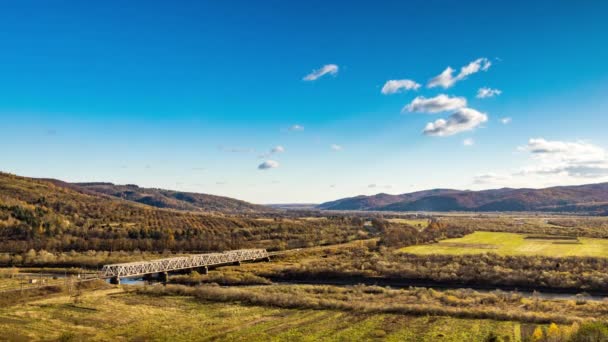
{"points": [[116, 315], [514, 244]]}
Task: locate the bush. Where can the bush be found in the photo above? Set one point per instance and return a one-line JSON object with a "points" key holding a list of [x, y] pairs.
{"points": [[591, 332]]}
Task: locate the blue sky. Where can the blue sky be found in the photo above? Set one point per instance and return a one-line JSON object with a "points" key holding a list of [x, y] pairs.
{"points": [[194, 97]]}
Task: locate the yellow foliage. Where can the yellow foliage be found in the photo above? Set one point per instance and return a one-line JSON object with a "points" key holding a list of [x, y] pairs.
{"points": [[537, 335], [553, 333]]}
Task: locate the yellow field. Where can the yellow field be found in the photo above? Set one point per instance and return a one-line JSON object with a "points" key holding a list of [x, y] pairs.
{"points": [[112, 315], [513, 244], [418, 223]]}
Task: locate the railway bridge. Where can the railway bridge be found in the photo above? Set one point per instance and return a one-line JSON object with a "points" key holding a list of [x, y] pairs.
{"points": [[197, 261]]}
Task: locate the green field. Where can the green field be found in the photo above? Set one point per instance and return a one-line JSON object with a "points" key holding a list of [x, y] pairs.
{"points": [[115, 315], [513, 244], [418, 223]]}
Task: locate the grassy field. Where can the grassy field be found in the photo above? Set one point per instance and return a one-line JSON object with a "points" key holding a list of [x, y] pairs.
{"points": [[418, 223], [513, 244], [115, 315]]}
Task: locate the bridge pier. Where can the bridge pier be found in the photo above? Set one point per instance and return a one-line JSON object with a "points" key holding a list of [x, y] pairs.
{"points": [[237, 263], [163, 277], [267, 259], [115, 280], [203, 270]]}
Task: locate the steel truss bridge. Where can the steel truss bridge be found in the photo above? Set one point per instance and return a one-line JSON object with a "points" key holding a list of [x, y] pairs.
{"points": [[132, 269]]}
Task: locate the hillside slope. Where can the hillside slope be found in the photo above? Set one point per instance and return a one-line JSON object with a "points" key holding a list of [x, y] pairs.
{"points": [[171, 199], [592, 198], [54, 215]]}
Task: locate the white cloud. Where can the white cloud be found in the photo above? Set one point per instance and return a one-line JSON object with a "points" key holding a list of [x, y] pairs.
{"points": [[446, 79], [464, 119], [468, 142], [505, 121], [565, 160], [236, 149], [492, 179], [336, 147], [274, 150], [439, 103], [296, 128], [269, 164], [395, 86], [565, 154], [379, 186], [331, 69], [278, 149], [554, 162], [485, 92], [576, 149]]}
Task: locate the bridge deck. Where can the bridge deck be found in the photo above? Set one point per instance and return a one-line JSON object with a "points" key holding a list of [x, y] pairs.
{"points": [[131, 269]]}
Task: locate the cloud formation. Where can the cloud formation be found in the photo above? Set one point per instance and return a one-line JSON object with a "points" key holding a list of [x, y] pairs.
{"points": [[439, 103], [505, 121], [396, 86], [464, 119], [274, 150], [491, 178], [278, 149], [331, 69], [554, 162], [269, 164], [296, 128], [468, 142], [336, 147], [485, 92], [446, 78], [374, 185], [571, 158]]}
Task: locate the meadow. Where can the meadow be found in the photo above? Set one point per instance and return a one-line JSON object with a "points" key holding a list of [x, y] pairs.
{"points": [[514, 244], [115, 315], [417, 223]]}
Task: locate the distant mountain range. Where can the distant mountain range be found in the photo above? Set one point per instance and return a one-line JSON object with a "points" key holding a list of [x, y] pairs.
{"points": [[592, 198]]}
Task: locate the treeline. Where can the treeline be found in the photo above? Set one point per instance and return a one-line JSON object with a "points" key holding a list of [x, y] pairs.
{"points": [[224, 278], [73, 259], [401, 235], [584, 273], [529, 272], [593, 227], [179, 232]]}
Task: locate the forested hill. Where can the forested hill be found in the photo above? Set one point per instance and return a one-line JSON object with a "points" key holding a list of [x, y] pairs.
{"points": [[592, 198], [54, 215], [173, 199]]}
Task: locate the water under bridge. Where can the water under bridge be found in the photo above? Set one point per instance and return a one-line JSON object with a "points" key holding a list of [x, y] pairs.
{"points": [[197, 261]]}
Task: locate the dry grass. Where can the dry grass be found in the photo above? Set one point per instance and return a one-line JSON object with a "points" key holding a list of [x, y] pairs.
{"points": [[114, 315], [515, 244]]}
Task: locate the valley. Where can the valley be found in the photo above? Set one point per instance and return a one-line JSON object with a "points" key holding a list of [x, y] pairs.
{"points": [[388, 276]]}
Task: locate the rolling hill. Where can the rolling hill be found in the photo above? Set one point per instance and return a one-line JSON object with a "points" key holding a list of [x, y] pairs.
{"points": [[592, 198], [41, 213], [58, 216], [171, 199]]}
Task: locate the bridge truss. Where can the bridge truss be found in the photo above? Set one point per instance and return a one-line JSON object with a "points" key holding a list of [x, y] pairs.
{"points": [[131, 269]]}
